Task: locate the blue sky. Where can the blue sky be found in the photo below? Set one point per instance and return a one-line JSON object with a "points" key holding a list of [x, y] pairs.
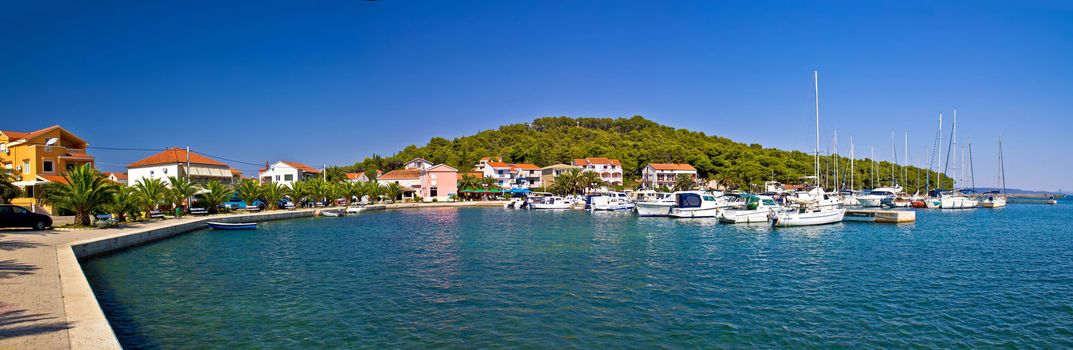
{"points": [[332, 82]]}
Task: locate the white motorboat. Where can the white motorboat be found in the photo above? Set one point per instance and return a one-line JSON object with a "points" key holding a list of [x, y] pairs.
{"points": [[993, 201], [354, 209], [875, 197], [551, 202], [694, 204], [331, 213], [658, 205], [756, 210], [956, 200], [613, 201], [806, 217], [815, 197]]}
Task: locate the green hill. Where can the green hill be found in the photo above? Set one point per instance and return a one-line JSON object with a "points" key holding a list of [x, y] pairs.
{"points": [[636, 142]]}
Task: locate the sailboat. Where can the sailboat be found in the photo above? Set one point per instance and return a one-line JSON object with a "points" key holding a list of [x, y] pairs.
{"points": [[954, 199], [998, 200], [807, 214]]}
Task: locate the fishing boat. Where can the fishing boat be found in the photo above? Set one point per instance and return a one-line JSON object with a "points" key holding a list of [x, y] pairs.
{"points": [[551, 202], [232, 226], [656, 205], [694, 204], [756, 210]]}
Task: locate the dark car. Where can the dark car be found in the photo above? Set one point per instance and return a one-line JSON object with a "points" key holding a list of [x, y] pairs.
{"points": [[16, 216]]}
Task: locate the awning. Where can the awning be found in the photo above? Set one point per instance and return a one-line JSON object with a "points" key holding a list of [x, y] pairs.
{"points": [[210, 171], [29, 183]]}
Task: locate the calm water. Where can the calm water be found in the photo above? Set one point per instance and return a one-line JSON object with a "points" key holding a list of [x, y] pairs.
{"points": [[490, 278]]}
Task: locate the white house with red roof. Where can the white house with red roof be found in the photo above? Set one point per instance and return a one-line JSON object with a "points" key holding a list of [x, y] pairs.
{"points": [[610, 170], [119, 178], [361, 176], [178, 162], [655, 175], [286, 172], [418, 163]]}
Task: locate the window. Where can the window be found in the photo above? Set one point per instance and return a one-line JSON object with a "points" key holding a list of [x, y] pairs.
{"points": [[46, 166], [277, 178], [432, 191], [25, 167], [70, 166], [5, 210], [20, 210], [288, 177]]}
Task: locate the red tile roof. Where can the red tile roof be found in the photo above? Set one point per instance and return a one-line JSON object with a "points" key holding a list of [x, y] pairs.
{"points": [[596, 160], [121, 176], [174, 156], [498, 165], [672, 166], [18, 135], [401, 174], [527, 166], [235, 172], [301, 167]]}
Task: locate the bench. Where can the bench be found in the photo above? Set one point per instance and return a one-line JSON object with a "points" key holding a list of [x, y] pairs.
{"points": [[156, 214], [199, 211]]}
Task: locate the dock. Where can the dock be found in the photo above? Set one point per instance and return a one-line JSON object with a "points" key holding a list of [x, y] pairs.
{"points": [[1031, 201], [881, 216]]}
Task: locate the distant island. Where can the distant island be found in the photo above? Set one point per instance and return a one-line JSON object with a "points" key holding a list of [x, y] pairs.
{"points": [[637, 141]]}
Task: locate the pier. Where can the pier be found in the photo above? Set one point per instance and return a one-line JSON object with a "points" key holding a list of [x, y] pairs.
{"points": [[881, 216]]}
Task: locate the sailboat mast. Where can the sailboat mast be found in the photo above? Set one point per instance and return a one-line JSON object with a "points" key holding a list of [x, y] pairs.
{"points": [[938, 177], [972, 169], [816, 84], [873, 177], [852, 171], [1002, 165], [894, 159], [905, 166]]}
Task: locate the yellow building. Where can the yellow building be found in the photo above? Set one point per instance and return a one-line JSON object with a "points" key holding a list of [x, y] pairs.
{"points": [[40, 157]]}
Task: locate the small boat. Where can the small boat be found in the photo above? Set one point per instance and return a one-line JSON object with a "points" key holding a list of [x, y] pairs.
{"points": [[353, 209], [875, 198], [331, 213], [806, 217], [756, 210], [551, 202], [232, 226], [614, 201], [694, 204], [658, 205]]}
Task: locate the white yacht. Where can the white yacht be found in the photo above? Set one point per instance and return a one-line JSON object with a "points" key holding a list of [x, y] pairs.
{"points": [[551, 202], [694, 204], [756, 210], [613, 201], [993, 200], [956, 200], [875, 197], [656, 205]]}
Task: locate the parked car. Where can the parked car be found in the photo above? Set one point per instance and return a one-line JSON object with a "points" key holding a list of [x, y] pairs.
{"points": [[16, 216], [235, 203]]}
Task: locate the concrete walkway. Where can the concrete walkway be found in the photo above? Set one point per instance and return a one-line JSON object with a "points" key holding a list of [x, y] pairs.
{"points": [[45, 300]]}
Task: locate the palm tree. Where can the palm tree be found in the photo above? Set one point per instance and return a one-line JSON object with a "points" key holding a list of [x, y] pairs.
{"points": [[273, 193], [590, 180], [299, 191], [351, 190], [468, 182], [85, 193], [373, 190], [393, 190], [215, 194], [8, 190], [181, 190], [248, 191], [684, 182], [318, 188], [152, 193], [125, 201]]}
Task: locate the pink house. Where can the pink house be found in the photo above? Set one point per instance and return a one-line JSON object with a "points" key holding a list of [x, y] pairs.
{"points": [[439, 182]]}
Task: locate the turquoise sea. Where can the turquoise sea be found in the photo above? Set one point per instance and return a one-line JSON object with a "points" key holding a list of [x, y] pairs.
{"points": [[492, 278]]}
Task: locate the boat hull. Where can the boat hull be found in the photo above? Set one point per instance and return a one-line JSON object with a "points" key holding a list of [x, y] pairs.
{"points": [[870, 201], [810, 218], [232, 226], [557, 206], [692, 212], [744, 216], [654, 209], [958, 203]]}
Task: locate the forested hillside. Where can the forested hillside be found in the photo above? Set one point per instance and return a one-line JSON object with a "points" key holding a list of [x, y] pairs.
{"points": [[636, 142]]}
